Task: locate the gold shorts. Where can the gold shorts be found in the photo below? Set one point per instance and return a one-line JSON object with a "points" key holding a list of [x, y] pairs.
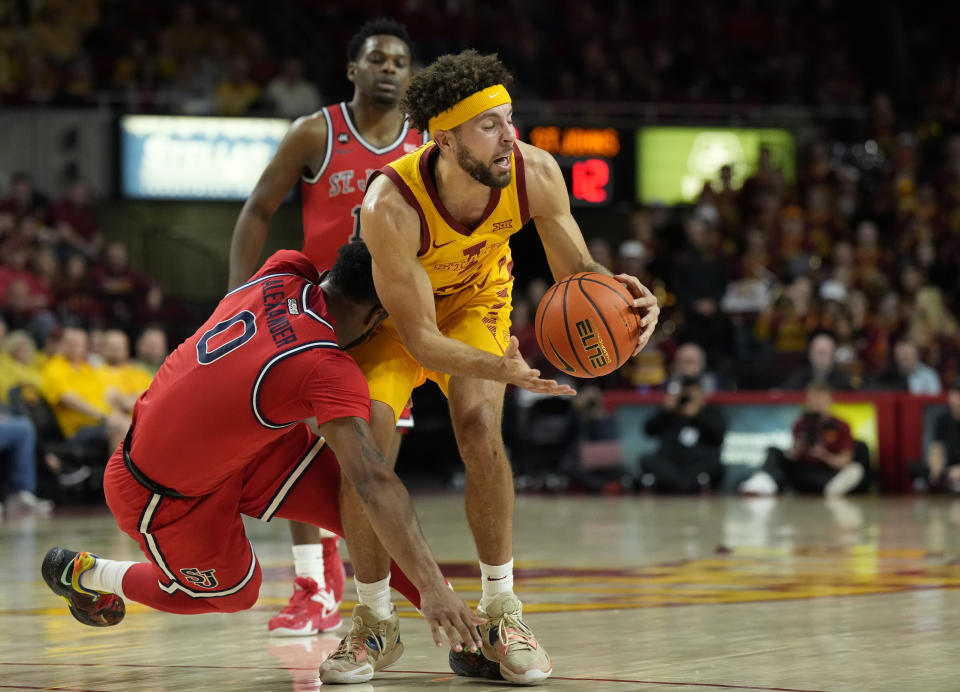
{"points": [[477, 317]]}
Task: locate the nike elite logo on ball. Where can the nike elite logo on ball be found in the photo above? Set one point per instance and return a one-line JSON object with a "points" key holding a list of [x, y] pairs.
{"points": [[566, 365]]}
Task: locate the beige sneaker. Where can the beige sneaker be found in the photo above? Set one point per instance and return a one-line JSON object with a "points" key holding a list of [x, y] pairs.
{"points": [[370, 646], [509, 642]]}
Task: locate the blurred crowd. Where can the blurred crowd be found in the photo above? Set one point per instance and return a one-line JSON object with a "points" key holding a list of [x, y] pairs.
{"points": [[214, 56], [65, 406], [847, 276], [56, 268], [70, 306]]}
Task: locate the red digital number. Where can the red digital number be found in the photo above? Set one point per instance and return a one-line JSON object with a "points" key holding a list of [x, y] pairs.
{"points": [[590, 180]]}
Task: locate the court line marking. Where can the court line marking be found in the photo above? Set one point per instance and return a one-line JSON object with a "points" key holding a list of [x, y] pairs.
{"points": [[633, 682], [719, 685], [62, 689]]}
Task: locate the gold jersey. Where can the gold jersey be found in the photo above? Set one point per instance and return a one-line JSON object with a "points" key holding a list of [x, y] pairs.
{"points": [[456, 257]]}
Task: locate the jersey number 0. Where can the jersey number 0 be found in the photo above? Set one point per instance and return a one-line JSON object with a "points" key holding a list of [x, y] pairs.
{"points": [[206, 356]]}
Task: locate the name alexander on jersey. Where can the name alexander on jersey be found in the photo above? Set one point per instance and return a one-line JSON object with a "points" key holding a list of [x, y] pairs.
{"points": [[342, 182], [275, 307]]}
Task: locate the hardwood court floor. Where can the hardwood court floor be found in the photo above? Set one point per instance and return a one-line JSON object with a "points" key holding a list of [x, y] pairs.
{"points": [[626, 594]]}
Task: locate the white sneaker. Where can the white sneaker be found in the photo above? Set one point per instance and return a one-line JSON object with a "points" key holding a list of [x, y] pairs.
{"points": [[507, 641], [847, 479], [68, 479], [27, 500], [370, 646], [760, 483]]}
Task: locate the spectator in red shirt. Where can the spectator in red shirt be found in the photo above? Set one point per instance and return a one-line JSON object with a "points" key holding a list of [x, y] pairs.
{"points": [[820, 459], [127, 297], [73, 219], [77, 301], [14, 268], [23, 201]]}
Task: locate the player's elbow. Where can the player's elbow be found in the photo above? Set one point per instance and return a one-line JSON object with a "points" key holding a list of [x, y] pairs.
{"points": [[255, 210]]}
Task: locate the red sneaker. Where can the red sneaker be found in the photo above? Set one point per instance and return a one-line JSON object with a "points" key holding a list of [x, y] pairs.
{"points": [[304, 615], [333, 571]]}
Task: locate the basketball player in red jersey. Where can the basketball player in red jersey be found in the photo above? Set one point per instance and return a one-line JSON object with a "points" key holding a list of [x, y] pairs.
{"points": [[235, 422], [331, 152]]}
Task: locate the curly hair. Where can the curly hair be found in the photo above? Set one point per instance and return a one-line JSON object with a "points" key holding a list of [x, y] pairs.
{"points": [[382, 26], [352, 273], [449, 80]]}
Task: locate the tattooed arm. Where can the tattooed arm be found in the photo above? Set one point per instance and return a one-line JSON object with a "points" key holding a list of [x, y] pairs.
{"points": [[391, 515]]}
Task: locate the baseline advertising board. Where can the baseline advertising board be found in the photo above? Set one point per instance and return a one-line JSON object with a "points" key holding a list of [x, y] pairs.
{"points": [[754, 423], [673, 163], [195, 158]]}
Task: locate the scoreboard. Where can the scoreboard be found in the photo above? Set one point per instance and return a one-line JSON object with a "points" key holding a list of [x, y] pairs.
{"points": [[587, 158], [650, 165], [209, 158]]}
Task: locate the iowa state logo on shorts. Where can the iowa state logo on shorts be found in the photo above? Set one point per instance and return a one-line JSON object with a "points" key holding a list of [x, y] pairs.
{"points": [[200, 577]]}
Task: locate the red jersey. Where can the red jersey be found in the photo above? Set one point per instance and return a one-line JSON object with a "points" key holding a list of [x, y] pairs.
{"points": [[829, 431], [266, 359], [332, 197]]}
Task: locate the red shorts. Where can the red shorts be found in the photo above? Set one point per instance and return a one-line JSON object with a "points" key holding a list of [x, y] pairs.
{"points": [[199, 543]]}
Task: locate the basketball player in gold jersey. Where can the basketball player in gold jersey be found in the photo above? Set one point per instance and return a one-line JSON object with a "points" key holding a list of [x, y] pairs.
{"points": [[437, 222]]}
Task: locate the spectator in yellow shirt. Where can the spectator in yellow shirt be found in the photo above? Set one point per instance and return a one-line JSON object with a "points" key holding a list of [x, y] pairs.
{"points": [[77, 395], [237, 92], [18, 364], [151, 349], [125, 381]]}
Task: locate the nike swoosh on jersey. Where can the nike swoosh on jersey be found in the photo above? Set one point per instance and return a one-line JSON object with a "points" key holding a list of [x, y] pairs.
{"points": [[441, 244], [566, 365]]}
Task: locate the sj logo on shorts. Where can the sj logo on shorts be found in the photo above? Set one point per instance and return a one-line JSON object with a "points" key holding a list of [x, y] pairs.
{"points": [[200, 577]]}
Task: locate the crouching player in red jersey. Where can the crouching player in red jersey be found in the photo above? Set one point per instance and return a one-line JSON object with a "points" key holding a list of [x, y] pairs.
{"points": [[246, 417]]}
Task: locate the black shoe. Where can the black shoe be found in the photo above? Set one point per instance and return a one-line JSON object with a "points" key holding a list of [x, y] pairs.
{"points": [[61, 570], [474, 665]]}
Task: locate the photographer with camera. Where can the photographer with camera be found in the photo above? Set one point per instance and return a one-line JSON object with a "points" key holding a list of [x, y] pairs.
{"points": [[940, 471], [691, 433], [820, 459]]}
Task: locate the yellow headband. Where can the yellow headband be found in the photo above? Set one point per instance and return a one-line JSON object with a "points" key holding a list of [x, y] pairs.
{"points": [[470, 107]]}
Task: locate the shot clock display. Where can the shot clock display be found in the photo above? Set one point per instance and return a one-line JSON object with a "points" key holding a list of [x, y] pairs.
{"points": [[586, 156]]}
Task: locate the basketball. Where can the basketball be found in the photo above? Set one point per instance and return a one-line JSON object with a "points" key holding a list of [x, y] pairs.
{"points": [[586, 325]]}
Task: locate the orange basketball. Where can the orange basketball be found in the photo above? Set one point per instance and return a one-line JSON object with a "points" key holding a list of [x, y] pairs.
{"points": [[586, 325]]}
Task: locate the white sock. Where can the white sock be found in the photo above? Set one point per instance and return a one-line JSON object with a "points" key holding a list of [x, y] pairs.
{"points": [[495, 579], [106, 576], [376, 596], [327, 534], [308, 562]]}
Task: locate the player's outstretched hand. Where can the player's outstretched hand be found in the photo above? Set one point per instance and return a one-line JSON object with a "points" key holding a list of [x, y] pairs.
{"points": [[449, 616], [646, 304], [519, 373]]}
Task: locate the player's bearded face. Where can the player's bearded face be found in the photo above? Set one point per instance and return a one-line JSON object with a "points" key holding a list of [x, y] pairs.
{"points": [[487, 173]]}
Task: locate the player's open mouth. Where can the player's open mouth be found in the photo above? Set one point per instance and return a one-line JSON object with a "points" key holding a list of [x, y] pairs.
{"points": [[503, 162]]}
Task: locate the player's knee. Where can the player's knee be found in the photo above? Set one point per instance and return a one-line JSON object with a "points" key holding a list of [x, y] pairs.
{"points": [[479, 433], [244, 599]]}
